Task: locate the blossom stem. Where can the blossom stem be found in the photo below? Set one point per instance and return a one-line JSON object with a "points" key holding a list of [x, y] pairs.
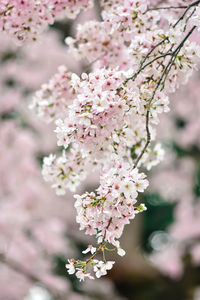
{"points": [[163, 76], [101, 245]]}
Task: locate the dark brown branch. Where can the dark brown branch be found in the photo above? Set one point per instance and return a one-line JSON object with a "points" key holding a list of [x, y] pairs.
{"points": [[186, 21], [146, 65], [187, 7], [101, 245], [165, 7], [185, 12], [163, 76], [176, 51]]}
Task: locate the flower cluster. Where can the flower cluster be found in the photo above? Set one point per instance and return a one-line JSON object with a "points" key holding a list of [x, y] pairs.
{"points": [[196, 18], [36, 225], [95, 113], [54, 98], [106, 41], [114, 200], [96, 44], [106, 212], [113, 113], [99, 267], [25, 19], [66, 171]]}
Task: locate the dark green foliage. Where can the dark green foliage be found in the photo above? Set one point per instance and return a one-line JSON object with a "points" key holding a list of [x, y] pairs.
{"points": [[159, 217]]}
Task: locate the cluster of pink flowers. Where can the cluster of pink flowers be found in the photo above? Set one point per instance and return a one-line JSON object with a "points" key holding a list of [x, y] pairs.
{"points": [[96, 111], [96, 44], [109, 115], [25, 19], [34, 222], [52, 101], [104, 118], [196, 18], [106, 212], [112, 206], [99, 267], [66, 172], [107, 41]]}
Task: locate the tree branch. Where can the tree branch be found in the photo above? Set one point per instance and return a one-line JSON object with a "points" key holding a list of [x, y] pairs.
{"points": [[165, 7], [163, 76]]}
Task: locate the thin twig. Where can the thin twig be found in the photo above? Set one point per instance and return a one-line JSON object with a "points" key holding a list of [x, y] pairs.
{"points": [[186, 21], [146, 65], [185, 12], [176, 51], [147, 116], [165, 7], [165, 71], [101, 245]]}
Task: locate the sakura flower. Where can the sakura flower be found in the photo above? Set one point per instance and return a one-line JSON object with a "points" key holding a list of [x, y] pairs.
{"points": [[100, 268], [155, 156], [107, 119], [195, 20], [25, 20], [128, 188], [109, 265], [49, 160], [121, 252], [52, 101], [142, 207], [89, 249], [81, 275], [70, 267]]}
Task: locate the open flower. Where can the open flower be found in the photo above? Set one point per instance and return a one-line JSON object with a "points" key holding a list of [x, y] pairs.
{"points": [[81, 275], [89, 249], [120, 251], [70, 266], [101, 268]]}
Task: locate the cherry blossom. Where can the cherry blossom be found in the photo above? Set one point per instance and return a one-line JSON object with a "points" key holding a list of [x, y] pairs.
{"points": [[25, 19], [54, 98], [33, 221], [114, 113], [89, 249], [196, 18], [101, 268], [107, 117]]}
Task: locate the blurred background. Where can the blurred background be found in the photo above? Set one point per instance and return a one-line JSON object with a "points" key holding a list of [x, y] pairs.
{"points": [[37, 228]]}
